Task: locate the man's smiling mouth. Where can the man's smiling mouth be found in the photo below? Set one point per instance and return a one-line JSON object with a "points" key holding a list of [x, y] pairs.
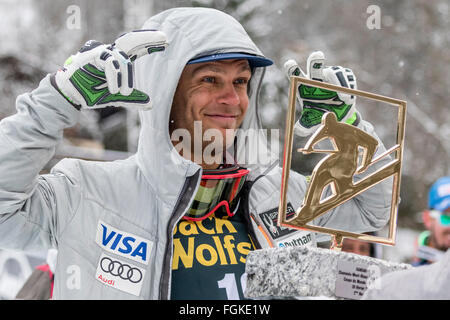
{"points": [[224, 120]]}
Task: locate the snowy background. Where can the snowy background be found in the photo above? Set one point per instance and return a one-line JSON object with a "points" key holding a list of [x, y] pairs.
{"points": [[397, 48]]}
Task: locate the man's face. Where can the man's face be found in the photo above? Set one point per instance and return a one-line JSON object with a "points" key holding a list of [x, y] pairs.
{"points": [[440, 234], [356, 246], [214, 93]]}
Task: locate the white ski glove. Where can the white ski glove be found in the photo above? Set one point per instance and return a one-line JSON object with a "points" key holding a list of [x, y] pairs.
{"points": [[102, 75], [315, 102]]}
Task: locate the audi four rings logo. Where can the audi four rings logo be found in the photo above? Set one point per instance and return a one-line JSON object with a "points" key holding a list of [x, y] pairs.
{"points": [[122, 270]]}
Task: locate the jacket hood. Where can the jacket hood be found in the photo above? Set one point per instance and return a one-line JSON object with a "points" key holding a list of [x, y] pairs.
{"points": [[191, 33]]}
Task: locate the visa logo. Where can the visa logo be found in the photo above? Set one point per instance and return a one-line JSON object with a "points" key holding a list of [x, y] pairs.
{"points": [[123, 243]]}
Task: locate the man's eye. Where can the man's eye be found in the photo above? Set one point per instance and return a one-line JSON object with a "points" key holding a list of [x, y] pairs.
{"points": [[241, 81], [209, 79]]}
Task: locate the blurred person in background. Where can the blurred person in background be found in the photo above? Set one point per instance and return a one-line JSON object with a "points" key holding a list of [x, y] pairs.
{"points": [[430, 281], [39, 285], [363, 248], [435, 241]]}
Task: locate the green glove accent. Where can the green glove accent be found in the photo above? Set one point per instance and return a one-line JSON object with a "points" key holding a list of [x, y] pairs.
{"points": [[317, 101], [91, 84], [100, 75]]}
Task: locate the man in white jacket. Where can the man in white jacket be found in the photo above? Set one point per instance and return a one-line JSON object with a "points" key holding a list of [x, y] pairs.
{"points": [[160, 224]]}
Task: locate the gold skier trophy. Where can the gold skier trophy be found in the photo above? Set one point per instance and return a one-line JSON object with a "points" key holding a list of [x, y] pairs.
{"points": [[345, 172], [338, 168]]}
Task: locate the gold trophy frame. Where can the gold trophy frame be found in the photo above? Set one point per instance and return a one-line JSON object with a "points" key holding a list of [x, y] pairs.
{"points": [[393, 169]]}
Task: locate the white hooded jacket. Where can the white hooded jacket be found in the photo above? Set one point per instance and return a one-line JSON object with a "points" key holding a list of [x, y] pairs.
{"points": [[113, 222]]}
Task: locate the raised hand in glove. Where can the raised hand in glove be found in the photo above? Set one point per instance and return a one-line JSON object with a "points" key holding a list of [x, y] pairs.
{"points": [[315, 101], [102, 75]]}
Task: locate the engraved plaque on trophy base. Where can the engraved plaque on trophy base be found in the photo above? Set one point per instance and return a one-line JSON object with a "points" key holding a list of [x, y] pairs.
{"points": [[308, 272]]}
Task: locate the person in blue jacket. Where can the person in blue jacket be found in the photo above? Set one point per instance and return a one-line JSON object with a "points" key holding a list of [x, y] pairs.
{"points": [[433, 242]]}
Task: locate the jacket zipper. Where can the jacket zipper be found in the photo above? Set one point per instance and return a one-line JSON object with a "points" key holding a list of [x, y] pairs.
{"points": [[179, 210]]}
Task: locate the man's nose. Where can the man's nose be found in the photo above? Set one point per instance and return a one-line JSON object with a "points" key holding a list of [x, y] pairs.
{"points": [[228, 95]]}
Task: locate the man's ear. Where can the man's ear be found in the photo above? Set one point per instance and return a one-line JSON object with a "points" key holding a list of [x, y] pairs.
{"points": [[426, 219]]}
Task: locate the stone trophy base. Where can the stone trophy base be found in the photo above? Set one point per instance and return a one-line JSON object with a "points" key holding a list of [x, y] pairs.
{"points": [[312, 273]]}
